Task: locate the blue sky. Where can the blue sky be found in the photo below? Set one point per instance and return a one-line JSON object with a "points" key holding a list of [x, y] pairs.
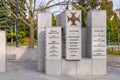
{"points": [[116, 4]]}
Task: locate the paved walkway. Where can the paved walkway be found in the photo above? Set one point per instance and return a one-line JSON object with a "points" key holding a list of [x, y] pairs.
{"points": [[27, 70]]}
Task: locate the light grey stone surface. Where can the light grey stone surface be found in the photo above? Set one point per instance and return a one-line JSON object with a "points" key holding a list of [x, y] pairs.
{"points": [[84, 42], [84, 50], [2, 51], [27, 70], [64, 19], [53, 67], [44, 20], [97, 18], [84, 67], [113, 58], [41, 64], [99, 67], [98, 43], [53, 43], [73, 43], [69, 67], [61, 19], [41, 42], [97, 34], [84, 35]]}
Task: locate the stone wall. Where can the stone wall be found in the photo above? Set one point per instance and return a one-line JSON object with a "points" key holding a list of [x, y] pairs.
{"points": [[21, 53]]}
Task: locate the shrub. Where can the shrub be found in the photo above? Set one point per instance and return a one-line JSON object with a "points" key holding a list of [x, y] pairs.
{"points": [[25, 40], [113, 52]]}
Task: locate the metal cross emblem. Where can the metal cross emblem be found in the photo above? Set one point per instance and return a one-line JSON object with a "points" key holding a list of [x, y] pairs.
{"points": [[73, 18]]}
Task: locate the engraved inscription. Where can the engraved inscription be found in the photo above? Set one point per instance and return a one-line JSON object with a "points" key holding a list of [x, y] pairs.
{"points": [[99, 42], [53, 43], [73, 40]]}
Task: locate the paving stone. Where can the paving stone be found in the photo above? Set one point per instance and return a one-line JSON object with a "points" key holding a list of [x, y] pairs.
{"points": [[29, 74]]}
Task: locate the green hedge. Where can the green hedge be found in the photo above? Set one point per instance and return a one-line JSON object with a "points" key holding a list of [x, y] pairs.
{"points": [[113, 52]]}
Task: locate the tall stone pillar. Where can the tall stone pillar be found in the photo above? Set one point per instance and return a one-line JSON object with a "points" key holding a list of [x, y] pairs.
{"points": [[44, 20], [97, 40], [71, 23]]}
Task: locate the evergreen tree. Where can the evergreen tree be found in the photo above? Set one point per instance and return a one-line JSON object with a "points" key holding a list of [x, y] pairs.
{"points": [[4, 17], [84, 6], [108, 6]]}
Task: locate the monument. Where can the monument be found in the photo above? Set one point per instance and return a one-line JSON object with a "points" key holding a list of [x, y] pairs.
{"points": [[69, 49]]}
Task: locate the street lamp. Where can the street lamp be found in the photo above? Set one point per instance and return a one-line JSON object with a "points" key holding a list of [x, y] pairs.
{"points": [[16, 22], [118, 36]]}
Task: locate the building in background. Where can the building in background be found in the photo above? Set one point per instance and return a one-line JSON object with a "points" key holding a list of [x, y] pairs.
{"points": [[118, 12]]}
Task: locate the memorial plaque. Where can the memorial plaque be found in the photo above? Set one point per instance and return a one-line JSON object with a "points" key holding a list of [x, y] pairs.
{"points": [[73, 43], [98, 43], [53, 43]]}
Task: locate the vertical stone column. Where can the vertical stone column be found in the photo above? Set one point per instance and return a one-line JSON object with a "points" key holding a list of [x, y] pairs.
{"points": [[71, 21], [44, 20], [97, 41], [53, 51], [2, 51], [69, 18]]}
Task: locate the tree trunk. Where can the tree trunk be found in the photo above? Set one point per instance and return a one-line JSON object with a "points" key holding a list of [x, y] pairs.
{"points": [[31, 36]]}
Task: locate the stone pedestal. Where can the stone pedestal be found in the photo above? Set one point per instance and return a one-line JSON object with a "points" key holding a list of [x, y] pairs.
{"points": [[2, 51], [84, 67], [69, 68], [53, 67], [99, 67]]}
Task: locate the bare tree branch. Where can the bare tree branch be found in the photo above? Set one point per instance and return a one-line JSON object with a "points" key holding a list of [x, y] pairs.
{"points": [[48, 2], [7, 7], [34, 6], [43, 8]]}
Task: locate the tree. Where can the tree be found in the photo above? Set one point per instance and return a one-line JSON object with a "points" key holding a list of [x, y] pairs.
{"points": [[84, 6], [114, 28], [11, 30], [53, 20], [108, 6], [4, 17], [112, 21], [31, 9]]}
